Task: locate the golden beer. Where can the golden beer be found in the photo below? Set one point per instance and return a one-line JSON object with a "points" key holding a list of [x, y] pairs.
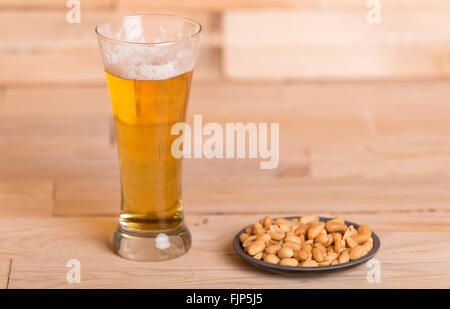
{"points": [[144, 112], [148, 60]]}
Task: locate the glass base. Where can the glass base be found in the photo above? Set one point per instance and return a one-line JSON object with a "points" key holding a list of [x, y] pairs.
{"points": [[152, 246]]}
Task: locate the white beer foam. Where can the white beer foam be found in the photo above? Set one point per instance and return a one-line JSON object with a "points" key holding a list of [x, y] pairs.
{"points": [[148, 61]]}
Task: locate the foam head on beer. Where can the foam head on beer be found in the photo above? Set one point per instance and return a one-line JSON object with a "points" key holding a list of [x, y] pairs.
{"points": [[155, 48]]}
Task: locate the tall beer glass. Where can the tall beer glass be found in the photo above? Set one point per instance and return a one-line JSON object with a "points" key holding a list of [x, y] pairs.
{"points": [[148, 61]]}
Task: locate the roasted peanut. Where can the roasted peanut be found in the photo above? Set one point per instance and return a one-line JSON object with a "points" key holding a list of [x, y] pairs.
{"points": [[264, 237], [368, 245], [272, 249], [360, 238], [309, 263], [337, 242], [318, 255], [356, 252], [288, 262], [257, 225], [322, 238], [304, 253], [308, 247], [273, 242], [256, 247], [267, 221], [243, 237], [325, 263], [351, 243], [339, 219], [290, 244], [302, 229], [332, 256], [330, 241], [320, 247], [364, 229], [330, 250], [306, 219], [258, 230], [248, 241], [283, 221], [273, 228], [293, 238], [349, 232], [271, 258], [276, 235], [285, 253], [290, 234], [258, 256], [315, 229], [335, 226], [344, 257]]}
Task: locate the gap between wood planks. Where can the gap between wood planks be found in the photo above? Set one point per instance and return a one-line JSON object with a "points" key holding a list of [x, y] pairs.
{"points": [[5, 272], [367, 212], [9, 273]]}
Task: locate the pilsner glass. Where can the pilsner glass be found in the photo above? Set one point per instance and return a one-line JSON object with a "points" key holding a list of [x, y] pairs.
{"points": [[149, 60]]}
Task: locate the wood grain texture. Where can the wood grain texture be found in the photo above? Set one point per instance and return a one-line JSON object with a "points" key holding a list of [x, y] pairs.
{"points": [[317, 45], [219, 5], [55, 115], [216, 5], [211, 262], [397, 5], [53, 4], [5, 267], [70, 56], [26, 198]]}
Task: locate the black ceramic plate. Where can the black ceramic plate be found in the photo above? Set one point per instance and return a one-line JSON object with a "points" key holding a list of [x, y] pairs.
{"points": [[275, 268]]}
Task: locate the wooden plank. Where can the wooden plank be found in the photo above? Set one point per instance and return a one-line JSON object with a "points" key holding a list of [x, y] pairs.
{"points": [[82, 35], [26, 198], [55, 114], [408, 258], [56, 102], [386, 5], [216, 5], [23, 129], [5, 265], [403, 127], [232, 271], [240, 193], [57, 160], [385, 108], [70, 56], [101, 196], [53, 4], [220, 5], [334, 45]]}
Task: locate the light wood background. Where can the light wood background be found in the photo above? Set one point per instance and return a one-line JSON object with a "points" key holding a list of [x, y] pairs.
{"points": [[364, 113]]}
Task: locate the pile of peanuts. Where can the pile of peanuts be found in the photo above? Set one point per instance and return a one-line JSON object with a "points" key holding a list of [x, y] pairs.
{"points": [[306, 241]]}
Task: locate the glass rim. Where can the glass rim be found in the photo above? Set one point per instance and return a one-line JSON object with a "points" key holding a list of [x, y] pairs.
{"points": [[186, 38]]}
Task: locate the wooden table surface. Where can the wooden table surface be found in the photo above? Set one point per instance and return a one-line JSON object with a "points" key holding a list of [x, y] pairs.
{"points": [[364, 113], [375, 153]]}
